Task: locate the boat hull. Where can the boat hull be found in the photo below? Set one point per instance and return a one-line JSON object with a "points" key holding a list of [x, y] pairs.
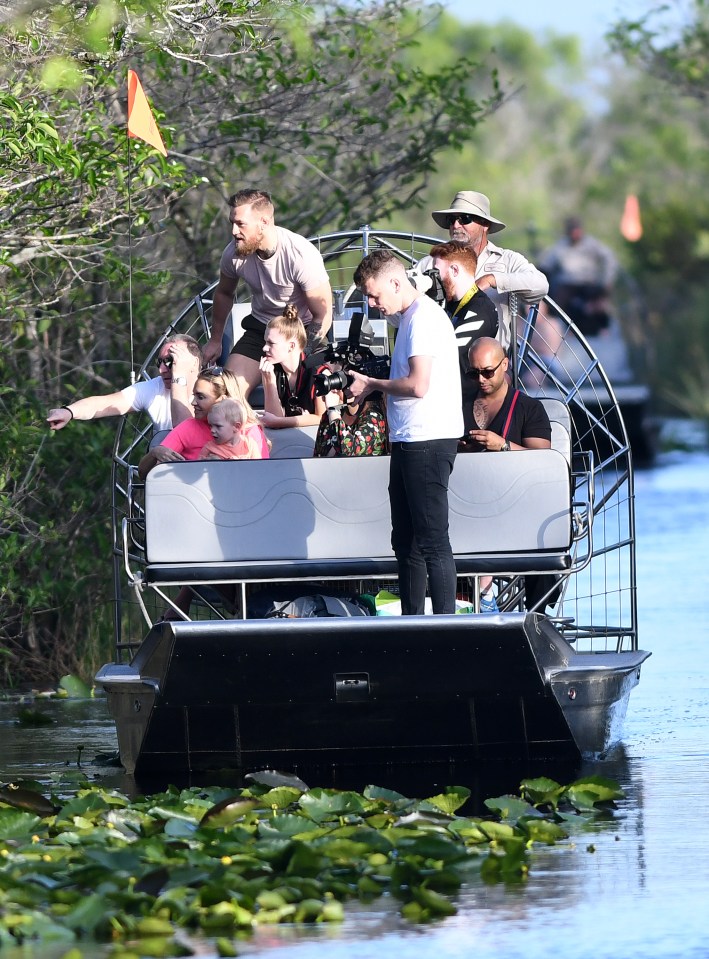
{"points": [[255, 693]]}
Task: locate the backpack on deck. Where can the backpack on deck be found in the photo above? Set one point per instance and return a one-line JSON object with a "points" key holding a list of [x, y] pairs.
{"points": [[296, 603]]}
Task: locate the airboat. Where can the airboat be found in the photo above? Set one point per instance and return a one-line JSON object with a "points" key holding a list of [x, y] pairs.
{"points": [[547, 677]]}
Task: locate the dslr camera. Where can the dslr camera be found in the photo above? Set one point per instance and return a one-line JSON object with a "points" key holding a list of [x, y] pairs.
{"points": [[428, 282], [353, 356]]}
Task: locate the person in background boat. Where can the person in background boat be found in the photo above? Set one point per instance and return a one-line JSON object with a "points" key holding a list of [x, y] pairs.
{"points": [[582, 272], [279, 267], [226, 420], [499, 272], [165, 398], [499, 419], [288, 374], [425, 420], [187, 440], [472, 312], [349, 428]]}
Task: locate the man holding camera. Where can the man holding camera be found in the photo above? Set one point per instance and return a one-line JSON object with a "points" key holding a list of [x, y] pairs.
{"points": [[499, 272], [425, 420]]}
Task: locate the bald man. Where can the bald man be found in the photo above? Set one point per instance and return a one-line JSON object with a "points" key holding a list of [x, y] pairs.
{"points": [[499, 418]]}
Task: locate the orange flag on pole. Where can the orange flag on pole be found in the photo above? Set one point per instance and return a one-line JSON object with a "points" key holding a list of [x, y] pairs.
{"points": [[141, 122], [630, 224]]}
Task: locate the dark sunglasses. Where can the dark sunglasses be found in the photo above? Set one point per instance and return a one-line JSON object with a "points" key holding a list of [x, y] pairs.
{"points": [[464, 219], [212, 371], [488, 372], [166, 361]]}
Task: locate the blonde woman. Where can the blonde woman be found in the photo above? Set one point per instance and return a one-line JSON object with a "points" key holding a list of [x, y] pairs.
{"points": [[288, 374]]}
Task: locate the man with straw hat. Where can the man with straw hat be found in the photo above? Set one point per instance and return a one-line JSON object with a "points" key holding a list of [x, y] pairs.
{"points": [[499, 272]]}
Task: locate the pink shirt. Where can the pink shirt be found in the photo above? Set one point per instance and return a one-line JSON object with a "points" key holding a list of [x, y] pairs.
{"points": [[191, 436], [245, 449]]}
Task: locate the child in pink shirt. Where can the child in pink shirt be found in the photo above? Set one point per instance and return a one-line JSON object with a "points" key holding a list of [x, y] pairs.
{"points": [[226, 420]]}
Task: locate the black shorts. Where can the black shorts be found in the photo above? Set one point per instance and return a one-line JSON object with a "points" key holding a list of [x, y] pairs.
{"points": [[250, 343]]}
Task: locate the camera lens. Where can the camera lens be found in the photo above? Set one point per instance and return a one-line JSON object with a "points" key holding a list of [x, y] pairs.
{"points": [[325, 382]]}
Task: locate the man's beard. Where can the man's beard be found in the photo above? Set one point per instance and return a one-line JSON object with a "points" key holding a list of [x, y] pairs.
{"points": [[448, 287], [246, 247]]}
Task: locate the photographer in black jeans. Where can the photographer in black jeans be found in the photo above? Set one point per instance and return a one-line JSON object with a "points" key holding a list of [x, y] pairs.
{"points": [[425, 420]]}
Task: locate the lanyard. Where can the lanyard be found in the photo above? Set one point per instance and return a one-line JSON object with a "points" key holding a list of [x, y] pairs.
{"points": [[466, 299]]}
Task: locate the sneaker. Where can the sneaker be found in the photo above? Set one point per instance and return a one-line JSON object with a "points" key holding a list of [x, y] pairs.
{"points": [[488, 604]]}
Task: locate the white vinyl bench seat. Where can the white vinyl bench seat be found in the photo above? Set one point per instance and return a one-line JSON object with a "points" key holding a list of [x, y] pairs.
{"points": [[259, 520]]}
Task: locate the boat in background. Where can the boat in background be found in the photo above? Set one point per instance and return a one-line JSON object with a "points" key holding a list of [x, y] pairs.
{"points": [[548, 677]]}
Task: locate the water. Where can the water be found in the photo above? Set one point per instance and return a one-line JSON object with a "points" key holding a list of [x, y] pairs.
{"points": [[638, 886]]}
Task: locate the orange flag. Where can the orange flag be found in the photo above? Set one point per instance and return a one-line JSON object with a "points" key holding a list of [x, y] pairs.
{"points": [[141, 122], [630, 224]]}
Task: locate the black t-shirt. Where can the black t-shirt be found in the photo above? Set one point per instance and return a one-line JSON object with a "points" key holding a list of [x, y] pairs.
{"points": [[529, 419], [477, 318], [302, 398]]}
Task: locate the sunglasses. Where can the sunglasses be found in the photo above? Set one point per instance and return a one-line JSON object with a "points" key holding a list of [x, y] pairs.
{"points": [[212, 371], [166, 361], [464, 219], [488, 372]]}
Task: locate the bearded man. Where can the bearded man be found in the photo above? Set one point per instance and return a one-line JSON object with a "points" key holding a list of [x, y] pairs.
{"points": [[279, 267]]}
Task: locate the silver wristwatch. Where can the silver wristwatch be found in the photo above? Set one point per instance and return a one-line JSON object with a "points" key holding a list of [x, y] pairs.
{"points": [[179, 380], [505, 447]]}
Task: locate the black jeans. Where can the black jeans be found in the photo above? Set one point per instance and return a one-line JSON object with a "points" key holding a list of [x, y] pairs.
{"points": [[418, 492]]}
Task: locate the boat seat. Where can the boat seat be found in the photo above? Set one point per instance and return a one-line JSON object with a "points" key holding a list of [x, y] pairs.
{"points": [[560, 419], [296, 443], [249, 520]]}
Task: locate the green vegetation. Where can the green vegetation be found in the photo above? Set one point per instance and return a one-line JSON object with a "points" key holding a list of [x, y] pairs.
{"points": [[148, 874]]}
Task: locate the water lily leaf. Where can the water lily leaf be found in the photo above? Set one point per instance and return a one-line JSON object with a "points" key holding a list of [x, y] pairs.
{"points": [[604, 789], [429, 820], [541, 791], [31, 924], [448, 802], [541, 830], [385, 795], [497, 830], [433, 901], [179, 828], [17, 824], [432, 847], [272, 777], [86, 916], [227, 812], [287, 826], [511, 807], [153, 882], [27, 799], [34, 718], [88, 807], [321, 805], [75, 688], [281, 797], [226, 948]]}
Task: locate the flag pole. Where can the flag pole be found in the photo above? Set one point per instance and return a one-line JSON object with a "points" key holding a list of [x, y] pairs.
{"points": [[142, 125], [130, 264]]}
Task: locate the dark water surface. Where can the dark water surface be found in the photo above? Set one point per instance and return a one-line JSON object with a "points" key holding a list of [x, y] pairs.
{"points": [[638, 886]]}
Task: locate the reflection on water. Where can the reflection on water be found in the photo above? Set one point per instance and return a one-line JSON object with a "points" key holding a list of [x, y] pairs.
{"points": [[636, 886]]}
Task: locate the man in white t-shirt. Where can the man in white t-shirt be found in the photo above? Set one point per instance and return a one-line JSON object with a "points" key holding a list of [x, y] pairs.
{"points": [[166, 398], [279, 267], [425, 421]]}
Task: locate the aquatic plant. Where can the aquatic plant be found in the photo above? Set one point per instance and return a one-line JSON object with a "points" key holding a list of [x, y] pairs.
{"points": [[217, 862]]}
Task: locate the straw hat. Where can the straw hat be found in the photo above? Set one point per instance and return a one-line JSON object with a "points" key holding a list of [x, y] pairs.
{"points": [[468, 201]]}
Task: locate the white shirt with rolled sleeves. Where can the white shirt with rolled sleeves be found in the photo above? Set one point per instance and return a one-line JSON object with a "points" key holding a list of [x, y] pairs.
{"points": [[424, 329], [513, 274], [151, 397]]}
